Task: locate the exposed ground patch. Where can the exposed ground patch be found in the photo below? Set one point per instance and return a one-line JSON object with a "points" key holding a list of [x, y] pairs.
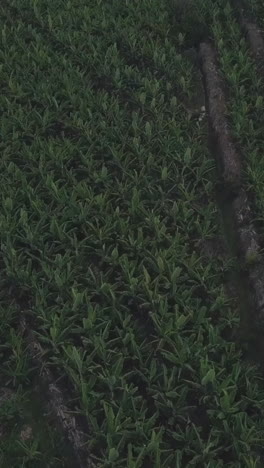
{"points": [[248, 248], [55, 401]]}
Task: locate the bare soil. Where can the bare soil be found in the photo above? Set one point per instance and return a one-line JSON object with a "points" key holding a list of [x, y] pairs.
{"points": [[230, 160], [228, 157]]}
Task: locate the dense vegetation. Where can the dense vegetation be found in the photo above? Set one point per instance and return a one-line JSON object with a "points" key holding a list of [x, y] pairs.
{"points": [[108, 212]]}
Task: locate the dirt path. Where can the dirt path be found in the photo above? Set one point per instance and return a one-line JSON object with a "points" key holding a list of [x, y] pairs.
{"points": [[229, 161]]}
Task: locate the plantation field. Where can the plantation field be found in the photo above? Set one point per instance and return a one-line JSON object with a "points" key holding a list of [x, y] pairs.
{"points": [[113, 244]]}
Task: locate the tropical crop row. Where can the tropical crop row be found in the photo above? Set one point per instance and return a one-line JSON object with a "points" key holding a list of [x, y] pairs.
{"points": [[108, 211]]}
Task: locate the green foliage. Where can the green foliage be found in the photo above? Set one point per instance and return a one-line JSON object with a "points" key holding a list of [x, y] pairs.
{"points": [[192, 18], [107, 187]]}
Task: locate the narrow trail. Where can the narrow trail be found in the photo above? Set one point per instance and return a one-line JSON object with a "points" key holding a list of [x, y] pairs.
{"points": [[230, 163], [68, 423]]}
